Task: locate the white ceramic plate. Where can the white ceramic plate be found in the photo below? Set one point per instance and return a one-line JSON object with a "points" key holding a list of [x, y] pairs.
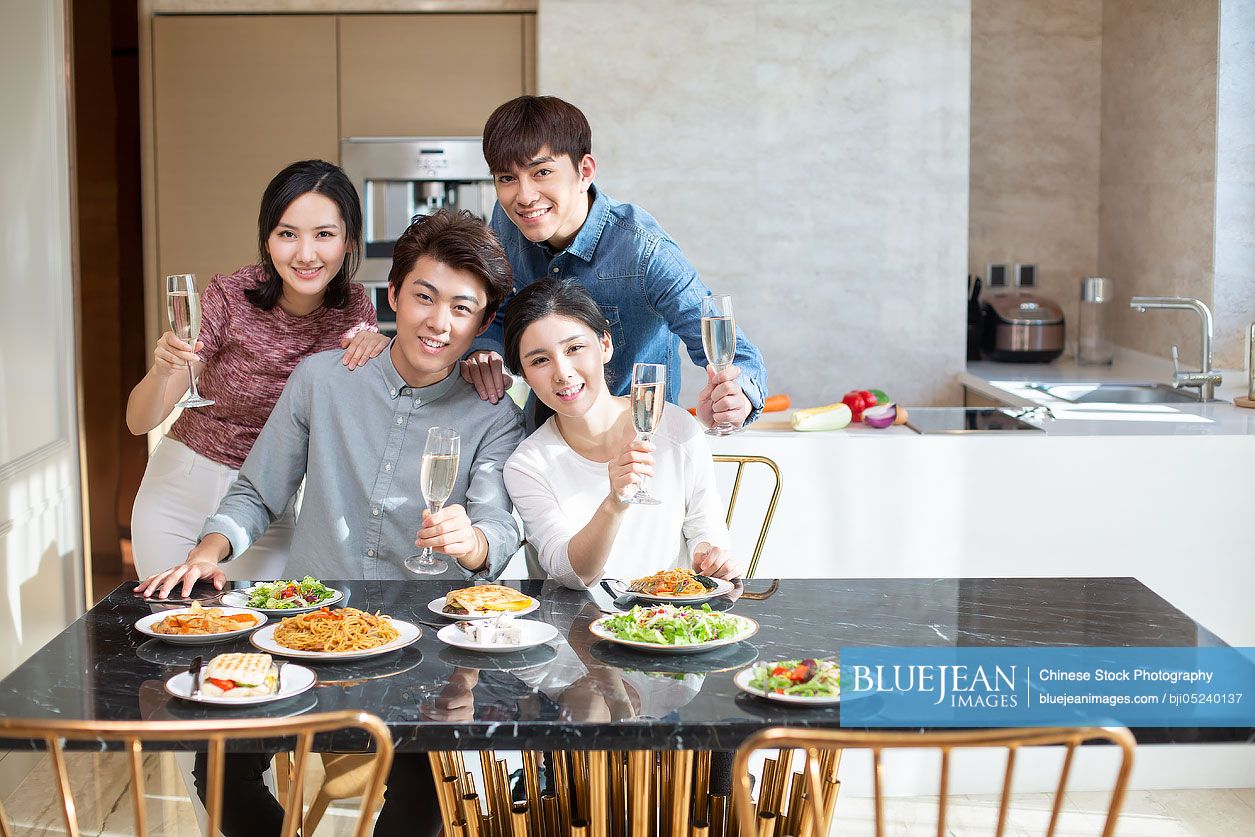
{"points": [[146, 624], [265, 640], [239, 598], [748, 628], [534, 633], [296, 679], [742, 681], [436, 606], [722, 586]]}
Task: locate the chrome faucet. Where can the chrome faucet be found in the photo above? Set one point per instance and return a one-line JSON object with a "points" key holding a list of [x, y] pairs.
{"points": [[1205, 379]]}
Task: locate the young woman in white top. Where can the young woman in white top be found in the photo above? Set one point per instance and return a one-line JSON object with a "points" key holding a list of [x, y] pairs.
{"points": [[569, 478]]}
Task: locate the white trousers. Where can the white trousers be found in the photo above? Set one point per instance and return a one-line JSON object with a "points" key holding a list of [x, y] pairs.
{"points": [[179, 490]]}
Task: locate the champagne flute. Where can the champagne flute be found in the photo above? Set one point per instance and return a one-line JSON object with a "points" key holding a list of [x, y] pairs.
{"points": [[439, 473], [649, 397], [719, 341], [183, 306]]}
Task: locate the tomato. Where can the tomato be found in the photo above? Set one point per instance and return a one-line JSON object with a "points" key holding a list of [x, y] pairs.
{"points": [[858, 400], [225, 685], [800, 674], [779, 670]]}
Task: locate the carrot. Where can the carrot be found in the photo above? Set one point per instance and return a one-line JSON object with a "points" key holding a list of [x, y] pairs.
{"points": [[692, 411], [776, 403]]}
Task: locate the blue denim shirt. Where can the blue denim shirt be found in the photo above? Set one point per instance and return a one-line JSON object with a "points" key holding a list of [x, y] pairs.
{"points": [[647, 290]]}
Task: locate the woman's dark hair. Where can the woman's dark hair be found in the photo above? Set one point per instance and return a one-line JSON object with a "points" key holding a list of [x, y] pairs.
{"points": [[322, 178], [458, 240], [519, 129], [565, 297]]}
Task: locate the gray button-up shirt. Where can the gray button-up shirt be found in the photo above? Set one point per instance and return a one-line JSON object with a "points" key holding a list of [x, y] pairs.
{"points": [[357, 439]]}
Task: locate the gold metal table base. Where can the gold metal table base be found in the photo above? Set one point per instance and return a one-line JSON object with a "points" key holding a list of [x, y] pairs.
{"points": [[600, 793]]}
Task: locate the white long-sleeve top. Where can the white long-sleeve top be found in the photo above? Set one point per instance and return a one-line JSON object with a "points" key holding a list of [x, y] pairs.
{"points": [[556, 491]]}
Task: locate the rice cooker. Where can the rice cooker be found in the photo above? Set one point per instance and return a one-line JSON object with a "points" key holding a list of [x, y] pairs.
{"points": [[1021, 328]]}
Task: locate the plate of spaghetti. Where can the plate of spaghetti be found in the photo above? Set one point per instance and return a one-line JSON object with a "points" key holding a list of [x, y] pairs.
{"points": [[196, 625], [343, 634], [677, 586]]}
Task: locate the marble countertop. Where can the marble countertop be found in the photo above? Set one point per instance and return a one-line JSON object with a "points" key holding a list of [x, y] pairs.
{"points": [[582, 693]]}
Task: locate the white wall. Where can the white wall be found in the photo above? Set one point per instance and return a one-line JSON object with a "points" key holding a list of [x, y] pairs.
{"points": [[41, 584], [811, 159]]}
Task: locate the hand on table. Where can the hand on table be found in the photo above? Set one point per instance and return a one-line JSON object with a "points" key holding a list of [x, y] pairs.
{"points": [[722, 399], [202, 564]]}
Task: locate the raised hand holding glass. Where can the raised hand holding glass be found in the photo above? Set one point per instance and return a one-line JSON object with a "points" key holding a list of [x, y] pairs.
{"points": [[719, 341], [649, 398], [183, 307], [439, 473]]}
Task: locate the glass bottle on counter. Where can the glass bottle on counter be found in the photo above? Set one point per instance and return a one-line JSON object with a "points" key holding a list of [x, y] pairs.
{"points": [[1093, 343]]}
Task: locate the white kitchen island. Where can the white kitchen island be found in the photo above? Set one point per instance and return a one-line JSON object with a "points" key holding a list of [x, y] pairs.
{"points": [[1100, 492]]}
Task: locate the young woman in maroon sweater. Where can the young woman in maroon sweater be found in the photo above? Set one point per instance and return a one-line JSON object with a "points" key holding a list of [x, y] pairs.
{"points": [[256, 325]]}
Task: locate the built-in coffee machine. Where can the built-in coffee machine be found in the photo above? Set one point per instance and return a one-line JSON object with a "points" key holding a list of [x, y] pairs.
{"points": [[400, 178]]}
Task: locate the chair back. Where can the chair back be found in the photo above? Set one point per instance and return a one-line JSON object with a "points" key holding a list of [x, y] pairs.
{"points": [[803, 803], [216, 733], [741, 462]]}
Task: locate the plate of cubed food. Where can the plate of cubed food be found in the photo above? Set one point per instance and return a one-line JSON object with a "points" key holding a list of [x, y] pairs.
{"points": [[499, 635]]}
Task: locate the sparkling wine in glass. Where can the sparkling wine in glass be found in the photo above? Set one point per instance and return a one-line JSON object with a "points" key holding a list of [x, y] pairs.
{"points": [[183, 306], [719, 341], [649, 398], [438, 475]]}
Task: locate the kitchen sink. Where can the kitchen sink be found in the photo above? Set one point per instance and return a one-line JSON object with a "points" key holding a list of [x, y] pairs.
{"points": [[1117, 393]]}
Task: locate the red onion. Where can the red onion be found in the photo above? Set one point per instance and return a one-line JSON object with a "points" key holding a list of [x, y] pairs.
{"points": [[880, 416]]}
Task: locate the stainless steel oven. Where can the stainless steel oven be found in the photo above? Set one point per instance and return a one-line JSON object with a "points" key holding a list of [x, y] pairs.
{"points": [[400, 178]]}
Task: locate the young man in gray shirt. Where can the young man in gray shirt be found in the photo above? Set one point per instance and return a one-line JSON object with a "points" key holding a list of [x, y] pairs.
{"points": [[357, 439]]}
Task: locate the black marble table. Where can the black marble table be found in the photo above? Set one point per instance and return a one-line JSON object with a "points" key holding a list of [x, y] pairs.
{"points": [[583, 693]]}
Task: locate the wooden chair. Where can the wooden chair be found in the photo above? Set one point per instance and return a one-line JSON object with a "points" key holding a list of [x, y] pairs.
{"points": [[741, 462], [802, 804], [132, 734]]}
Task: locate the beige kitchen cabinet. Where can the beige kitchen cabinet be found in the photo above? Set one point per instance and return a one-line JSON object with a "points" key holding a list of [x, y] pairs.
{"points": [[235, 99], [430, 74]]}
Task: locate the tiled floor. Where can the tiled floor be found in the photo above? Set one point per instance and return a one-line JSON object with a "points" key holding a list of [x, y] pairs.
{"points": [[101, 784]]}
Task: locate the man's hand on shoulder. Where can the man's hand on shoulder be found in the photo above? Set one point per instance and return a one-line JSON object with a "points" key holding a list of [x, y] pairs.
{"points": [[486, 372], [722, 399]]}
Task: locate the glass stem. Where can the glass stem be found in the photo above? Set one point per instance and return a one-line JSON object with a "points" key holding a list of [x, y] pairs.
{"points": [[644, 479], [191, 379], [427, 551]]}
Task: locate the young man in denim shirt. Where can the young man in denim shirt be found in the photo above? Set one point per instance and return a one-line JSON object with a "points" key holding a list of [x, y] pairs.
{"points": [[554, 222]]}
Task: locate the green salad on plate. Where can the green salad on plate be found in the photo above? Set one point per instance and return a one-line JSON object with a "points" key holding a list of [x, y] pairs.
{"points": [[799, 678], [283, 595], [670, 625]]}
